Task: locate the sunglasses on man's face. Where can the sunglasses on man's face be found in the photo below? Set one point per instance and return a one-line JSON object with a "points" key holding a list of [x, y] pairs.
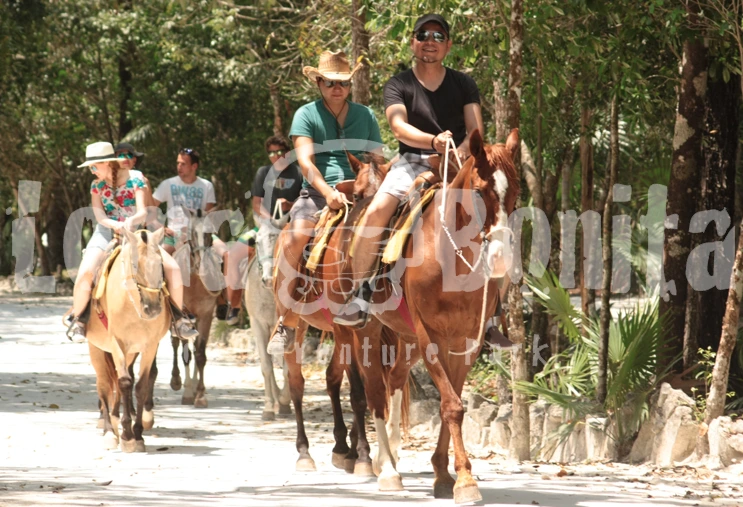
{"points": [[125, 155], [276, 153], [423, 35], [329, 83]]}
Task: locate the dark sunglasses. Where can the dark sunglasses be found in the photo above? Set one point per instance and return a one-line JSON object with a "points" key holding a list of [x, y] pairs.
{"points": [[125, 155], [186, 151], [329, 83], [276, 153], [423, 35]]}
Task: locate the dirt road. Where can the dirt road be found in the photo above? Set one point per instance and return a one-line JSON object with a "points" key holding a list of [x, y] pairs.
{"points": [[225, 455]]}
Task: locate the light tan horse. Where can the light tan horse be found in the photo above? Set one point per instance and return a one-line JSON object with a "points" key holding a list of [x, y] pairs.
{"points": [[205, 281], [129, 319]]}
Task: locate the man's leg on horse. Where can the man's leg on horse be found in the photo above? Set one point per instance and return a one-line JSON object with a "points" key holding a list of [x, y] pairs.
{"points": [[175, 286], [293, 242], [371, 232], [235, 283], [225, 253]]}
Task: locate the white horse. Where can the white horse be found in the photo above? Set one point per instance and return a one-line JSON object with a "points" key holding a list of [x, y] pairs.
{"points": [[262, 311]]}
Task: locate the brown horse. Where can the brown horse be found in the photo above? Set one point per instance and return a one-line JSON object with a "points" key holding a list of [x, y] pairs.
{"points": [[324, 292], [200, 298], [434, 298], [127, 323]]}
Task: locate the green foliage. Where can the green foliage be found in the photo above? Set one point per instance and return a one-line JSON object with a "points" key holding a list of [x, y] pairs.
{"points": [[568, 380]]}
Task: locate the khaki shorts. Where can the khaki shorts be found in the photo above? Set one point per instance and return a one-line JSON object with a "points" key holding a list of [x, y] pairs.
{"points": [[402, 173]]}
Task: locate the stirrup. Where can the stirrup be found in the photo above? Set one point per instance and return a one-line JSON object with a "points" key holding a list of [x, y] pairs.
{"points": [[355, 313]]}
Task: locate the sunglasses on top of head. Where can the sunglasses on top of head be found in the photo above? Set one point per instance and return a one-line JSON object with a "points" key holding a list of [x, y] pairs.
{"points": [[424, 35], [276, 153], [331, 83]]}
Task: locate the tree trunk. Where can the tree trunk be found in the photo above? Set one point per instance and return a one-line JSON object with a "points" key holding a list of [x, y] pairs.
{"points": [[500, 112], [601, 387], [125, 80], [519, 446], [360, 41], [683, 188], [716, 398], [278, 128], [587, 296], [719, 151]]}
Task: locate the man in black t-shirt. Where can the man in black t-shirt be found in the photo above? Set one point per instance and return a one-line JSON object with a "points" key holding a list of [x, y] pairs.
{"points": [[425, 106], [276, 183], [275, 187]]}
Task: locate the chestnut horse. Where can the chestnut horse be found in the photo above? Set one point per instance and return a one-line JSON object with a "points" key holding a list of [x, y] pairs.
{"points": [[126, 323], [324, 292], [434, 298], [197, 257]]}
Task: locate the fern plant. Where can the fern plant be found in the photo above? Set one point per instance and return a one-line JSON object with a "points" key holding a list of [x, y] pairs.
{"points": [[569, 379]]}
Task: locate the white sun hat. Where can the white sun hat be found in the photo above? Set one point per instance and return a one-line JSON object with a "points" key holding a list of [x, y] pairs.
{"points": [[99, 152]]}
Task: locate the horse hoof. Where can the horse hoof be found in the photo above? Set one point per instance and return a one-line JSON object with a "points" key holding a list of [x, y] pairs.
{"points": [[139, 446], [268, 416], [148, 419], [469, 493], [349, 465], [390, 482], [100, 424], [285, 410], [339, 460], [129, 445], [176, 384], [201, 402], [110, 441], [306, 465], [187, 400], [363, 469], [443, 489]]}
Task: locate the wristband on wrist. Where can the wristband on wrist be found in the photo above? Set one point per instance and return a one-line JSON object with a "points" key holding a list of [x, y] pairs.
{"points": [[432, 141]]}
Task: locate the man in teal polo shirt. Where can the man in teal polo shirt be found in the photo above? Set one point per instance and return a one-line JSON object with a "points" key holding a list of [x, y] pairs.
{"points": [[331, 118]]}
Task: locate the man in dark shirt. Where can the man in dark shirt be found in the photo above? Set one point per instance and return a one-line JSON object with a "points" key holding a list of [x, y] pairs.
{"points": [[276, 183], [425, 106], [275, 188]]}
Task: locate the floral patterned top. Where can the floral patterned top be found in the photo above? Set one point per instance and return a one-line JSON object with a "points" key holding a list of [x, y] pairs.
{"points": [[125, 204]]}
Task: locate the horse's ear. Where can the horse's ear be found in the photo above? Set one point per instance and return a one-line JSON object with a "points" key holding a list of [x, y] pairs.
{"points": [[129, 235], [157, 236], [199, 213], [513, 143], [476, 143], [355, 163]]}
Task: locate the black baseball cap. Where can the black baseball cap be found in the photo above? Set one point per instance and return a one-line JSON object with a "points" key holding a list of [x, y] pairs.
{"points": [[435, 18], [129, 148]]}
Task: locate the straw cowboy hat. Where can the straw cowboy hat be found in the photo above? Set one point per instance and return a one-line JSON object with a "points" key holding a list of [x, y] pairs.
{"points": [[99, 152], [333, 67]]}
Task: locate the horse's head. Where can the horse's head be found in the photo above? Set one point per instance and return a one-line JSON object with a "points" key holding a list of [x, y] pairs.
{"points": [[199, 239], [493, 175], [265, 243], [369, 175], [142, 253]]}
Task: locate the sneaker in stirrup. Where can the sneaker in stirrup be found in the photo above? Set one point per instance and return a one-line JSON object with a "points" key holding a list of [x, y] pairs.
{"points": [[185, 329], [75, 330], [355, 313], [232, 316], [281, 340]]}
